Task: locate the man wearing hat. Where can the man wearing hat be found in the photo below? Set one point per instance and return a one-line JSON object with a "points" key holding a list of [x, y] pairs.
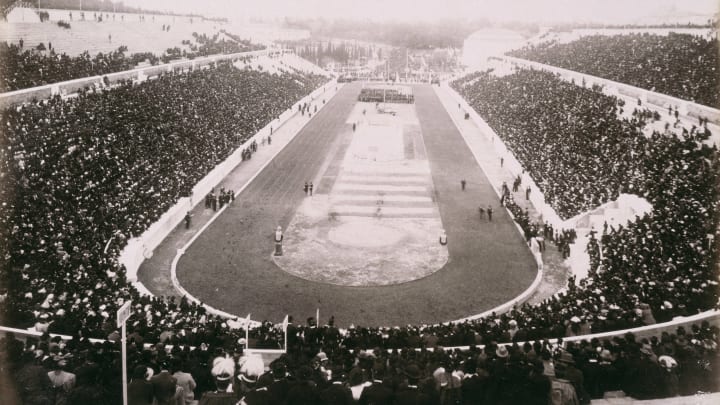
{"points": [[409, 394], [379, 392], [321, 376], [250, 391], [303, 390], [164, 384], [337, 392], [565, 368], [62, 381], [222, 371], [279, 386]]}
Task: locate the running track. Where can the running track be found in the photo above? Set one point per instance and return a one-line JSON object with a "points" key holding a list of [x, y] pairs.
{"points": [[229, 266]]}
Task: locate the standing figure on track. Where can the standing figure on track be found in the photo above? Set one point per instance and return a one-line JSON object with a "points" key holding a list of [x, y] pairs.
{"points": [[443, 238], [306, 188], [462, 184], [278, 241], [188, 217], [527, 192], [489, 212], [311, 189], [481, 210]]}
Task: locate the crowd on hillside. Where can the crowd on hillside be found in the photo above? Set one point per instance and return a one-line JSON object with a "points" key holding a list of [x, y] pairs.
{"points": [[321, 367], [23, 68], [84, 174], [681, 65]]}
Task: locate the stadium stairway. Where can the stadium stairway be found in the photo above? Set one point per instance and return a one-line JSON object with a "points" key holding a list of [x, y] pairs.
{"points": [[388, 190]]}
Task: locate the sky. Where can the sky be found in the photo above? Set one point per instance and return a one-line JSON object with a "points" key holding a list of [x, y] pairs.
{"points": [[542, 11]]}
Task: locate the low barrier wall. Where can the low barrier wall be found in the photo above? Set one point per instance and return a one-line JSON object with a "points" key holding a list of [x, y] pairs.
{"points": [[140, 248], [685, 107]]}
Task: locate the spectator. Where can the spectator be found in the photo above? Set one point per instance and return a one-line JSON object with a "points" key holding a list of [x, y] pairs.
{"points": [[680, 65]]}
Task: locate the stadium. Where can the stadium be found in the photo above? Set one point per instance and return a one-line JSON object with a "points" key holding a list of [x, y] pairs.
{"points": [[202, 207]]}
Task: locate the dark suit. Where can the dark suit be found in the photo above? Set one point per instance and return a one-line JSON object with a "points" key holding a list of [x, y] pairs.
{"points": [[163, 387], [377, 394], [336, 394], [412, 396], [140, 392]]}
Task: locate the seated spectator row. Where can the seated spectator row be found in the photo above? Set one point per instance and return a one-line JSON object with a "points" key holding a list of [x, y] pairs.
{"points": [[25, 68], [322, 368], [82, 175], [680, 65]]}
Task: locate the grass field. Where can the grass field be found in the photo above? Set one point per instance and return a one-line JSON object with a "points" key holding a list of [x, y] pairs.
{"points": [[230, 267]]}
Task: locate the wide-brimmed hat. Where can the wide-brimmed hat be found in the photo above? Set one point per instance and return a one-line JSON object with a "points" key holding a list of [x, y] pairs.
{"points": [[501, 352]]}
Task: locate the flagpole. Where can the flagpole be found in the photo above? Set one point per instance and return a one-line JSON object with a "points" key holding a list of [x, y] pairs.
{"points": [[247, 332], [317, 318], [285, 326]]}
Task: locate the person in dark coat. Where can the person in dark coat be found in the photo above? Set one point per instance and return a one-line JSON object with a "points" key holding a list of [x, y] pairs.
{"points": [[337, 392], [222, 372], [33, 382], [489, 213], [188, 218], [278, 386], [250, 392], [140, 391], [164, 385], [410, 394], [474, 384], [303, 390], [380, 391], [566, 365], [538, 387]]}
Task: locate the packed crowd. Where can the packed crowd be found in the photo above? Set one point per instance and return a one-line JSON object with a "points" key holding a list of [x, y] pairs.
{"points": [[321, 367], [541, 117], [680, 65], [23, 68], [572, 143], [84, 174], [64, 221]]}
